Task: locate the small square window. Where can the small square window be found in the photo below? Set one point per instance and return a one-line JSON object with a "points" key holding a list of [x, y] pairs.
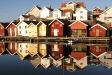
{"points": [[19, 32], [81, 11], [19, 27], [26, 46], [26, 31], [60, 25], [26, 51], [52, 25], [20, 50], [25, 27], [20, 46], [81, 17]]}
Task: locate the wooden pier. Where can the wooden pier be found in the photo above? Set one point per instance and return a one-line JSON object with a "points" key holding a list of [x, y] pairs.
{"points": [[57, 39]]}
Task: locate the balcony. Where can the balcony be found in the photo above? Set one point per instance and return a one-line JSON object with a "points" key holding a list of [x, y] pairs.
{"points": [[96, 13]]}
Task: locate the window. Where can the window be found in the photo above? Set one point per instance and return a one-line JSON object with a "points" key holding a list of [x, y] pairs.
{"points": [[25, 27], [60, 25], [19, 27], [105, 18], [26, 46], [19, 32], [26, 51], [52, 25], [20, 50], [26, 31], [81, 17], [20, 46], [81, 63], [81, 11]]}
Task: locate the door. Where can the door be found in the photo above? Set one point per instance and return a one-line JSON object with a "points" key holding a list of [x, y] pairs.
{"points": [[55, 32], [79, 32], [97, 32]]}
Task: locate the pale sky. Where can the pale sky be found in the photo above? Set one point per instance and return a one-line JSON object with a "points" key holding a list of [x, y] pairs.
{"points": [[12, 9]]}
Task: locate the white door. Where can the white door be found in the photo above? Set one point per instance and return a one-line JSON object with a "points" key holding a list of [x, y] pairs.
{"points": [[55, 32], [97, 32]]}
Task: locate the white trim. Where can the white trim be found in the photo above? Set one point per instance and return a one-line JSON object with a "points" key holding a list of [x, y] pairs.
{"points": [[9, 25], [55, 20], [105, 10], [15, 30], [10, 31], [98, 25], [78, 21], [99, 55]]}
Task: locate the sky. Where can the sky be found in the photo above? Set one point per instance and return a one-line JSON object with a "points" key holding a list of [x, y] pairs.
{"points": [[11, 9]]}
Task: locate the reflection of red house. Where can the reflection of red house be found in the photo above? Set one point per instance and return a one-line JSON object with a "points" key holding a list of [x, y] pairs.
{"points": [[78, 55], [12, 48], [98, 30], [59, 27], [11, 29], [57, 51], [97, 51], [2, 47]]}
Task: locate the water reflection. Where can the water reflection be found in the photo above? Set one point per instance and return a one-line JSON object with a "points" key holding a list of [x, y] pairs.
{"points": [[71, 58]]}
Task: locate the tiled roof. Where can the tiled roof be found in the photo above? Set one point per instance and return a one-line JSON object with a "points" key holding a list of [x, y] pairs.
{"points": [[67, 10], [63, 5], [78, 55], [80, 4]]}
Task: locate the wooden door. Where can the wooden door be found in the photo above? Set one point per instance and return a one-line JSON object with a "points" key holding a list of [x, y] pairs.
{"points": [[97, 32], [55, 32], [79, 32]]}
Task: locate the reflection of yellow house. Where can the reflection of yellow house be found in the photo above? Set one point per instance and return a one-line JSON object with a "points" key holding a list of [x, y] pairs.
{"points": [[36, 60], [42, 28], [33, 49], [32, 30], [42, 50]]}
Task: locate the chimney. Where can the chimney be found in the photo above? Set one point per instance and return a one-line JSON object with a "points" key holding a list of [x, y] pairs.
{"points": [[49, 6], [106, 7]]}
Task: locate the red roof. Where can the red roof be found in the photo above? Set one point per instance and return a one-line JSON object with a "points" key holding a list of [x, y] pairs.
{"points": [[98, 10], [78, 55], [67, 10], [80, 3], [63, 5]]}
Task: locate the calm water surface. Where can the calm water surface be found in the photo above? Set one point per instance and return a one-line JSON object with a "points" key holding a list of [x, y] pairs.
{"points": [[91, 64]]}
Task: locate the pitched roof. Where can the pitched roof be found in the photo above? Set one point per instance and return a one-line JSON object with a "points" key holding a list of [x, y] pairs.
{"points": [[28, 22], [80, 4], [67, 10], [63, 5], [99, 25], [63, 21], [38, 7], [78, 55], [5, 24], [26, 16]]}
